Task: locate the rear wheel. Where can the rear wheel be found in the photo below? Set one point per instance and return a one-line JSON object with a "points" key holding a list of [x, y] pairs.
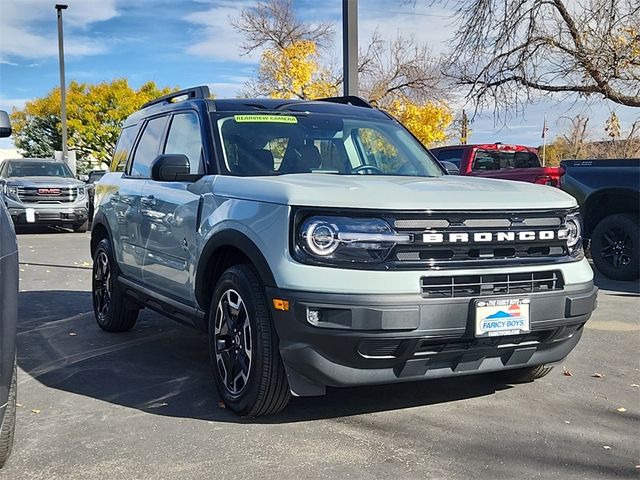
{"points": [[9, 422], [112, 310], [615, 247], [243, 346], [524, 375]]}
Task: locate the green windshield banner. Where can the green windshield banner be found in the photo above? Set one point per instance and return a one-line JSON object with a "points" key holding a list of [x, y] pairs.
{"points": [[265, 118]]}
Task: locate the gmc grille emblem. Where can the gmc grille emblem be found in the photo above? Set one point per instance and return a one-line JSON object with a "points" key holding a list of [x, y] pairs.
{"points": [[494, 237], [48, 191]]}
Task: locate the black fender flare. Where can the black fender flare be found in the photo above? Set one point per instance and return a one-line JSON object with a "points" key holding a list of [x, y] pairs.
{"points": [[238, 240], [99, 220]]}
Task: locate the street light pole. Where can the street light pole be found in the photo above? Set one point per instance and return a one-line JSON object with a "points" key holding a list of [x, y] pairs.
{"points": [[350, 46], [63, 87]]}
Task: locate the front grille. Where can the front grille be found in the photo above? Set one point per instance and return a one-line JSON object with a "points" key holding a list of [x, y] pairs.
{"points": [[47, 195], [491, 284], [468, 239]]}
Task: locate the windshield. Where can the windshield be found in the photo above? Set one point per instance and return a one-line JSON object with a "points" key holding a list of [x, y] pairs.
{"points": [[278, 144], [37, 169]]}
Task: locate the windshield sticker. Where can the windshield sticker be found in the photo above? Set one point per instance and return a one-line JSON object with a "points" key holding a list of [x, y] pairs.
{"points": [[265, 118]]}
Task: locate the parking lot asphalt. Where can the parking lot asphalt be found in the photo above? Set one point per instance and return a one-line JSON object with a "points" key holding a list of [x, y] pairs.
{"points": [[142, 405]]}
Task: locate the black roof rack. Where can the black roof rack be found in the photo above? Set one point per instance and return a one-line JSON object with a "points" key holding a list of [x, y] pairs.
{"points": [[194, 92], [348, 100]]}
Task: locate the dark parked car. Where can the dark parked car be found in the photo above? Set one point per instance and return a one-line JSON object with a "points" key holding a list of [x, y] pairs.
{"points": [[497, 160], [608, 192], [8, 320]]}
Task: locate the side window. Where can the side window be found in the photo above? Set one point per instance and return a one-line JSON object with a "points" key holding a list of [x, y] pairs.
{"points": [[379, 151], [453, 155], [485, 161], [123, 147], [148, 147], [184, 137]]}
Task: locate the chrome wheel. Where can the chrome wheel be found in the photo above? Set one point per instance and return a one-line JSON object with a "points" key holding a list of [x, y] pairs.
{"points": [[233, 342], [102, 286]]}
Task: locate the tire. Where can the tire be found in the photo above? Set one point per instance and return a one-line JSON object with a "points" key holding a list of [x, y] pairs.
{"points": [[9, 422], [615, 247], [249, 352], [524, 375], [81, 228], [110, 306]]}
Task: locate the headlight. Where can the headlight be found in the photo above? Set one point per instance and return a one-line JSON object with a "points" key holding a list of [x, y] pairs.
{"points": [[82, 191], [572, 233], [332, 239], [10, 191]]}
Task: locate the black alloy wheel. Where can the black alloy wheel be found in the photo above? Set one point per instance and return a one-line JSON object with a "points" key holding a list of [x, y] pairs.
{"points": [[615, 247], [233, 339], [113, 311], [102, 285]]}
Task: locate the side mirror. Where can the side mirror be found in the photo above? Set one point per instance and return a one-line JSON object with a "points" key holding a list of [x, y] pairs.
{"points": [[5, 124], [171, 167], [450, 167], [83, 178]]}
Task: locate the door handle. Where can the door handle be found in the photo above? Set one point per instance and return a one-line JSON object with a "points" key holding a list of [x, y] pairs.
{"points": [[148, 200]]}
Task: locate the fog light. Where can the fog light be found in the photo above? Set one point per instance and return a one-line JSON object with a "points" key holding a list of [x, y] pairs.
{"points": [[314, 316]]}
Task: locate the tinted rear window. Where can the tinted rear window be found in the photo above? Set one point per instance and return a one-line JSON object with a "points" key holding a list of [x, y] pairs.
{"points": [[486, 160]]}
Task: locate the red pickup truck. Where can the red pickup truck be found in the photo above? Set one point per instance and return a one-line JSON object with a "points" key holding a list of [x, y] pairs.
{"points": [[496, 160]]}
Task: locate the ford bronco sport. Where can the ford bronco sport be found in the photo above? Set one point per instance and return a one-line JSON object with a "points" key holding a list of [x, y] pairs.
{"points": [[318, 243]]}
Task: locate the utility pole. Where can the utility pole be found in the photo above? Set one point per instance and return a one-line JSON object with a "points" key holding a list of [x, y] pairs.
{"points": [[63, 87], [464, 128], [350, 46]]}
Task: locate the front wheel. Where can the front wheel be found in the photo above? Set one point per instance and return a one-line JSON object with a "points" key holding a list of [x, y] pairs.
{"points": [[82, 227], [112, 310], [243, 346], [615, 247]]}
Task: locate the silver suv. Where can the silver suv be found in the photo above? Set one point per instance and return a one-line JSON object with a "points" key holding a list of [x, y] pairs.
{"points": [[39, 191], [318, 243]]}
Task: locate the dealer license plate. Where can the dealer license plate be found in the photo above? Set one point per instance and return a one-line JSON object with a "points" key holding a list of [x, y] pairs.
{"points": [[504, 316], [31, 215]]}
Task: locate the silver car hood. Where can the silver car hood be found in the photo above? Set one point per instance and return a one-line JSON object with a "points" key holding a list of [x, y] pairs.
{"points": [[449, 192]]}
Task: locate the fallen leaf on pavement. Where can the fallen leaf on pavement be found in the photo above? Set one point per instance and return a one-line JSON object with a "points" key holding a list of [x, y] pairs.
{"points": [[567, 373], [606, 447], [635, 385], [597, 375], [621, 409], [221, 405], [19, 405], [86, 264], [35, 410], [567, 422], [72, 334]]}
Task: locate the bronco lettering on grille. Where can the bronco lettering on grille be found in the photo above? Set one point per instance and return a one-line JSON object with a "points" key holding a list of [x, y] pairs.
{"points": [[498, 237]]}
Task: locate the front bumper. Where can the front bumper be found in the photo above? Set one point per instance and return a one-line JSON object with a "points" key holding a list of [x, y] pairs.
{"points": [[375, 339], [50, 215]]}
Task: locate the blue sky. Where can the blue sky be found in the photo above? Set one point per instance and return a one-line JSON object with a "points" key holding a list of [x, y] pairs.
{"points": [[190, 42]]}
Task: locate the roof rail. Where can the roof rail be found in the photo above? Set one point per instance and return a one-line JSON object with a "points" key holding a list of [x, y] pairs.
{"points": [[347, 100], [194, 92]]}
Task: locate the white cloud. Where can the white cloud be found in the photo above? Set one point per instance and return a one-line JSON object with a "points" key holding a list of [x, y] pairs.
{"points": [[28, 28], [217, 39]]}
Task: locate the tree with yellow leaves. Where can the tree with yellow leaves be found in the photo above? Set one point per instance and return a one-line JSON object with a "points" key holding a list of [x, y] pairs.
{"points": [[95, 114], [294, 71]]}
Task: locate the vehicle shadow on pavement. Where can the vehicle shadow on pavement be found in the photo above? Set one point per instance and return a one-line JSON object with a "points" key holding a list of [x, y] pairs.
{"points": [[163, 368], [631, 288]]}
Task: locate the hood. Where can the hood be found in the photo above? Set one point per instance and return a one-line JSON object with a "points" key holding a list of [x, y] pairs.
{"points": [[449, 192], [43, 182]]}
